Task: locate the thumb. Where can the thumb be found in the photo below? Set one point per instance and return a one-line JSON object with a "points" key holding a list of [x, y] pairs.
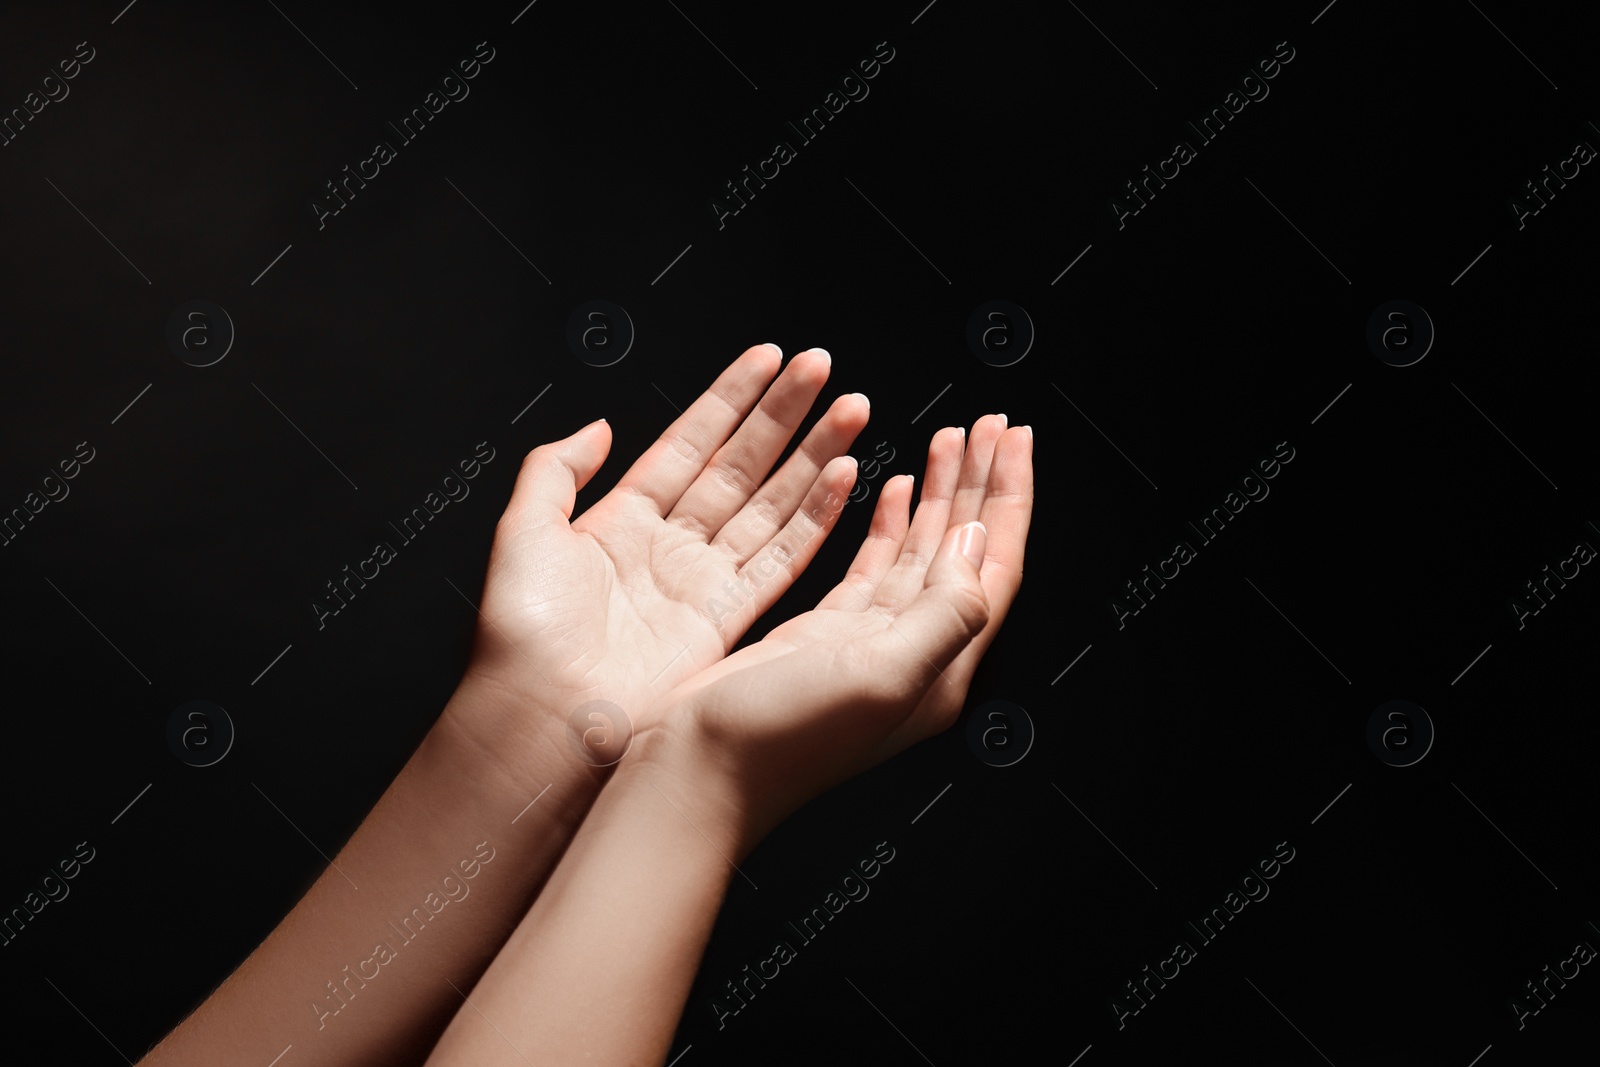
{"points": [[950, 610], [551, 475]]}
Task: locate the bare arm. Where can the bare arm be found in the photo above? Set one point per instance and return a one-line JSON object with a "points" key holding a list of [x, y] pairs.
{"points": [[599, 969], [611, 606]]}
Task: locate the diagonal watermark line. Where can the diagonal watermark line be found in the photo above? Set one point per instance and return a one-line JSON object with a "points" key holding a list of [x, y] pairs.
{"points": [[1469, 266], [674, 263], [1502, 433], [131, 803], [890, 1021], [531, 803], [1071, 665], [1080, 1055], [932, 402], [713, 44], [273, 664], [1331, 803], [524, 11], [1324, 11], [99, 631], [1479, 1056], [499, 631], [90, 1021], [123, 12], [132, 402], [1468, 667], [898, 230], [667, 398], [302, 833], [490, 1021], [532, 402], [702, 833], [1299, 231], [1113, 44], [1513, 44], [498, 230], [1289, 1021], [680, 1055], [263, 274], [1502, 833], [1102, 433], [1297, 630], [924, 11], [280, 1056], [1332, 402], [931, 803], [1074, 263], [670, 662], [313, 44], [302, 433], [1102, 833], [101, 232]]}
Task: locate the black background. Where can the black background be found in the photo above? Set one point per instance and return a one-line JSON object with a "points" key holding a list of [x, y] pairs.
{"points": [[1219, 321]]}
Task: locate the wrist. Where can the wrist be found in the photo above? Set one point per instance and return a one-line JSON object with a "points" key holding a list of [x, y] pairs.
{"points": [[515, 747], [675, 761]]}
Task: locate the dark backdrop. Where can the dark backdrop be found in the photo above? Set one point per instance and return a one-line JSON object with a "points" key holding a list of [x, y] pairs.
{"points": [[1163, 353]]}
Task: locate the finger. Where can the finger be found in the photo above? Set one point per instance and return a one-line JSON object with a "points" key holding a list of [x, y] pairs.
{"points": [[765, 513], [974, 480], [916, 649], [890, 521], [760, 583], [739, 467], [928, 523], [1006, 514], [671, 465], [551, 475]]}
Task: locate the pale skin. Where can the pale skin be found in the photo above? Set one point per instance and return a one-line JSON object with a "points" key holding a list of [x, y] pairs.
{"points": [[615, 605]]}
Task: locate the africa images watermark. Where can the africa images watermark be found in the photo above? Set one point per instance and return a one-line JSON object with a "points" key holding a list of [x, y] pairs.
{"points": [[849, 87], [741, 589], [455, 90], [55, 90], [1252, 888], [1582, 154], [52, 888], [453, 888], [55, 490], [1551, 582], [851, 886], [1251, 487], [410, 528], [1251, 88]]}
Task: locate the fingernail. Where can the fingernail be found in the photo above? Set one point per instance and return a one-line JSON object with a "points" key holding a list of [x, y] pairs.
{"points": [[962, 430], [1029, 428], [1004, 422], [775, 348], [825, 355], [864, 399], [971, 543]]}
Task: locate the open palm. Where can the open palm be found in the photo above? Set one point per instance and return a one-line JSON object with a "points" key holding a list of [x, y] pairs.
{"points": [[663, 575], [883, 660]]}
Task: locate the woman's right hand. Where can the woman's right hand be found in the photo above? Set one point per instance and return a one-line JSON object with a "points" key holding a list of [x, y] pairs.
{"points": [[884, 660]]}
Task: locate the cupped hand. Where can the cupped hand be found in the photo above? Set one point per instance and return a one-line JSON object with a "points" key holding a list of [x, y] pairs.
{"points": [[662, 576], [886, 658]]}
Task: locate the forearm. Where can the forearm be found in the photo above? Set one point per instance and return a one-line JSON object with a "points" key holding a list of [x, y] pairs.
{"points": [[600, 968], [360, 971]]}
